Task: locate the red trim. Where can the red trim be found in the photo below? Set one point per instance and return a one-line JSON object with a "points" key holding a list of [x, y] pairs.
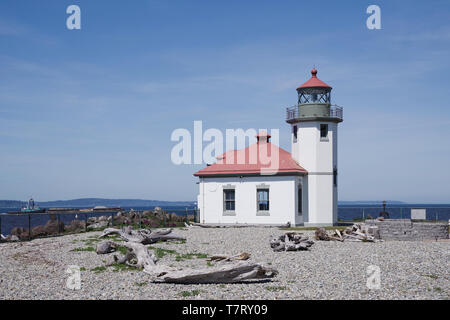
{"points": [[314, 82]]}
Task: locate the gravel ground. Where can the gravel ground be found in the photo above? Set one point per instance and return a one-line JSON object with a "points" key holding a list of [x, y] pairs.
{"points": [[330, 270]]}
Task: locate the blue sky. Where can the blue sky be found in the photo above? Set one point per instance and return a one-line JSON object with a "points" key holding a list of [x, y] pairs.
{"points": [[89, 113]]}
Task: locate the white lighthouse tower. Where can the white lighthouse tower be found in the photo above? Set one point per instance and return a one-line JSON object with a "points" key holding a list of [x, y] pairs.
{"points": [[314, 123]]}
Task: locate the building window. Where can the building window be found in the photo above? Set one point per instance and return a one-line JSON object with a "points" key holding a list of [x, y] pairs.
{"points": [[335, 177], [229, 200], [263, 199], [299, 200], [324, 132], [294, 131]]}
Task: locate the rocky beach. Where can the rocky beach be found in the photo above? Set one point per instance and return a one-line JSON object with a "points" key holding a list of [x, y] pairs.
{"points": [[329, 270]]}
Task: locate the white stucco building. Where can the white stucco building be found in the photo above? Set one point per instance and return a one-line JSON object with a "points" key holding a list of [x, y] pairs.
{"points": [[301, 188]]}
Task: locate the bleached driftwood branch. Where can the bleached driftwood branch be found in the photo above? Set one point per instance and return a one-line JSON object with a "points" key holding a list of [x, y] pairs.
{"points": [[358, 232], [143, 236], [222, 257], [139, 256], [291, 241]]}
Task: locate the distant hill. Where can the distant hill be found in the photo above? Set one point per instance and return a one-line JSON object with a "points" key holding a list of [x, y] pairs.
{"points": [[11, 204], [92, 202]]}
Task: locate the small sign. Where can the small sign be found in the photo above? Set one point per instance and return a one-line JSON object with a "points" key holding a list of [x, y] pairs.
{"points": [[418, 214]]}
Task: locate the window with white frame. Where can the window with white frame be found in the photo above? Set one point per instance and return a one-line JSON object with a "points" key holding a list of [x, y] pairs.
{"points": [[263, 199], [229, 203]]}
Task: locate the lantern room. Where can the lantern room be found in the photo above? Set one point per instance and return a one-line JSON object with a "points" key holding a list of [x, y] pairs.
{"points": [[314, 90], [314, 102]]}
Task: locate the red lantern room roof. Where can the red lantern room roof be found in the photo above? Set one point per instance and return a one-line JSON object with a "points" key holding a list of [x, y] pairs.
{"points": [[314, 82]]}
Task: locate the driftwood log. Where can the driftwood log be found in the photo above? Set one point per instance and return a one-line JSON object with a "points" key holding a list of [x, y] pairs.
{"points": [[139, 256], [143, 236], [222, 257], [291, 241], [227, 270], [359, 232]]}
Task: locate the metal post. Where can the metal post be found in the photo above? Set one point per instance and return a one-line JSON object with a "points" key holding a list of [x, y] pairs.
{"points": [[140, 220], [1, 224], [363, 213], [186, 215], [59, 231], [164, 219], [29, 227], [85, 221], [112, 219], [401, 213]]}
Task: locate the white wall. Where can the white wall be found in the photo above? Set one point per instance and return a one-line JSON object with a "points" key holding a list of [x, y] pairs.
{"points": [[282, 200], [319, 158]]}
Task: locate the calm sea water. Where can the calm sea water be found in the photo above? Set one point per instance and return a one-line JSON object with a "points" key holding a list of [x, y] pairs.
{"points": [[345, 212]]}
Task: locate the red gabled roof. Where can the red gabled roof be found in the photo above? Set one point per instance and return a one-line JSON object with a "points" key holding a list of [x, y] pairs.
{"points": [[314, 81], [242, 164]]}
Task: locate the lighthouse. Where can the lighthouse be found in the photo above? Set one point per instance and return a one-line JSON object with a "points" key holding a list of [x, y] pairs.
{"points": [[314, 136], [300, 189]]}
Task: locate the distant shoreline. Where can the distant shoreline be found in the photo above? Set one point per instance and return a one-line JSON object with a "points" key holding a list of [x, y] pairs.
{"points": [[93, 202], [141, 203]]}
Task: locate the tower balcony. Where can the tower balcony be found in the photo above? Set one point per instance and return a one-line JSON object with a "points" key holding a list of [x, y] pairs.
{"points": [[314, 112]]}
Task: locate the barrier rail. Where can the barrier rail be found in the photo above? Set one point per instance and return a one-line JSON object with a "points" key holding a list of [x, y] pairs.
{"points": [[42, 225]]}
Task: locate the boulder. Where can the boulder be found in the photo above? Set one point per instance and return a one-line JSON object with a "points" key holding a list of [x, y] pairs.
{"points": [[98, 225], [54, 227], [157, 210], [17, 231], [75, 226], [38, 231]]}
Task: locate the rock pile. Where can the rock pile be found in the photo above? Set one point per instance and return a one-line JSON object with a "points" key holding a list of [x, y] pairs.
{"points": [[146, 219]]}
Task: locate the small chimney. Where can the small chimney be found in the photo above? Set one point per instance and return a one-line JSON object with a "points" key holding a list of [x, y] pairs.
{"points": [[263, 137]]}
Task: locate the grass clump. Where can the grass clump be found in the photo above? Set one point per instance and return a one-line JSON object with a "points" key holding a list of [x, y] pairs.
{"points": [[91, 249], [99, 269], [122, 267], [188, 256], [122, 250], [160, 252], [189, 293], [432, 276], [140, 284], [177, 242], [275, 288]]}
